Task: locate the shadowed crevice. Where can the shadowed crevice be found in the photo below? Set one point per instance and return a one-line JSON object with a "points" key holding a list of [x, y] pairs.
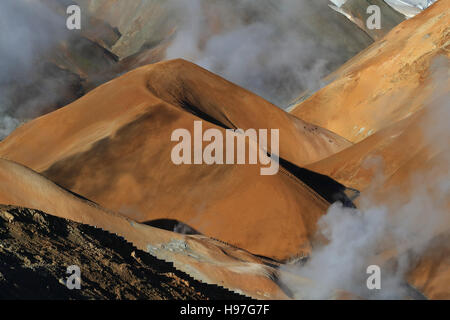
{"points": [[172, 225]]}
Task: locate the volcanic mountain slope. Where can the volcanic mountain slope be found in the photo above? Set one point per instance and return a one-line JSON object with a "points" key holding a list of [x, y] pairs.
{"points": [[420, 188], [403, 166], [116, 36], [205, 259], [36, 249], [113, 147], [431, 274], [406, 145], [386, 82], [137, 21], [190, 87], [386, 152], [199, 30], [409, 143], [419, 191], [356, 11], [140, 24], [37, 264], [410, 8]]}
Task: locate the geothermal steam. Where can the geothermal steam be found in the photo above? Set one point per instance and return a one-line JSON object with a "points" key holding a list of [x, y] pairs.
{"points": [[27, 32], [268, 47]]}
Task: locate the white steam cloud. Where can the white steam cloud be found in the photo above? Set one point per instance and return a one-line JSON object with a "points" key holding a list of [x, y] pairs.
{"points": [[276, 49], [28, 30]]}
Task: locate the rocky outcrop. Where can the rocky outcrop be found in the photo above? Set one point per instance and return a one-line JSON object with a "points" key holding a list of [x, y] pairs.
{"points": [[36, 249]]}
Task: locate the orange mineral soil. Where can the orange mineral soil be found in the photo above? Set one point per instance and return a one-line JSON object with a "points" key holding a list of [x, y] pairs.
{"points": [[392, 101], [379, 126], [385, 83], [205, 259], [113, 146]]}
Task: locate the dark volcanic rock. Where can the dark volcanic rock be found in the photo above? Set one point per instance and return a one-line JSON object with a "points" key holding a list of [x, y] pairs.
{"points": [[36, 249]]}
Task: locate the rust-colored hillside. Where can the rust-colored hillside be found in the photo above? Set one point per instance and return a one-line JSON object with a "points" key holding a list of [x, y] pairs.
{"points": [[385, 83], [114, 146]]}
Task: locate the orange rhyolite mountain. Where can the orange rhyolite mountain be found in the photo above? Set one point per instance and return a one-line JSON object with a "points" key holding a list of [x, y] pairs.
{"points": [[205, 259], [113, 146], [394, 149], [397, 91], [386, 82], [386, 154]]}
